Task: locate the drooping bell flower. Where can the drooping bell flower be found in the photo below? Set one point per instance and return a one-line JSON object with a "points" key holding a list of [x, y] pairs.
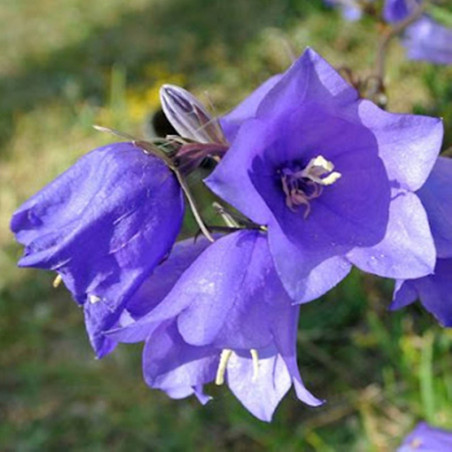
{"points": [[103, 226], [333, 178], [106, 223], [226, 320], [434, 291], [425, 438]]}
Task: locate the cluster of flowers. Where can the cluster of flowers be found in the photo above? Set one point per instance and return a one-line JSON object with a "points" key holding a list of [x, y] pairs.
{"points": [[425, 38], [320, 180]]}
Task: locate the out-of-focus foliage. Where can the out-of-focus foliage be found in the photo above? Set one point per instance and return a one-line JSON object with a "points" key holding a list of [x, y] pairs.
{"points": [[71, 64]]}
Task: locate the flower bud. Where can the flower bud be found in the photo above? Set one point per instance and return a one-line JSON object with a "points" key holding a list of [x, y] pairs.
{"points": [[189, 116]]}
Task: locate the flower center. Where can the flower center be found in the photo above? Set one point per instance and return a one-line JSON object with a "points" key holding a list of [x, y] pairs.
{"points": [[302, 185]]}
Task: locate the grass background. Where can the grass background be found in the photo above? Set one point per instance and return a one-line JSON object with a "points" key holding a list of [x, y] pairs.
{"points": [[70, 64]]}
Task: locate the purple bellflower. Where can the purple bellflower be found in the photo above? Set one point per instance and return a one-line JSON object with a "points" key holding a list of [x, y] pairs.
{"points": [[434, 291], [226, 319], [107, 222], [333, 178], [103, 226], [425, 39], [425, 438], [397, 10], [429, 41], [351, 9]]}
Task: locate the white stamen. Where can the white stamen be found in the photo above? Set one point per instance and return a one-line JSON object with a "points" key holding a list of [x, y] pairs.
{"points": [[57, 281], [224, 358], [318, 167], [255, 358], [331, 178], [93, 299], [321, 163]]}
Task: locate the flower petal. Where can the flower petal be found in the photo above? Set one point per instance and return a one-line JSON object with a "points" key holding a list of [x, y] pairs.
{"points": [[304, 274], [429, 41], [98, 223], [404, 294], [408, 144], [231, 292], [436, 196], [407, 251], [261, 392], [144, 312], [169, 363], [285, 333], [231, 122]]}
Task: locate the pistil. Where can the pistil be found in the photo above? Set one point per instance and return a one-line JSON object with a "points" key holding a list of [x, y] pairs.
{"points": [[303, 185]]}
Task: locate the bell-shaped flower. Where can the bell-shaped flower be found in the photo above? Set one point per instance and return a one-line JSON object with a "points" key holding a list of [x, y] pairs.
{"points": [[103, 226], [425, 39], [397, 10], [428, 40], [227, 319], [434, 291], [333, 178], [425, 438]]}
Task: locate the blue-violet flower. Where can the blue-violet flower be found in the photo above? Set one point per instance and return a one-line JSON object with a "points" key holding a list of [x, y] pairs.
{"points": [[227, 319], [434, 291], [103, 225], [425, 438], [333, 178]]}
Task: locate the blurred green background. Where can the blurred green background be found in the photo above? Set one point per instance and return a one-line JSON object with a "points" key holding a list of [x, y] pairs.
{"points": [[70, 64]]}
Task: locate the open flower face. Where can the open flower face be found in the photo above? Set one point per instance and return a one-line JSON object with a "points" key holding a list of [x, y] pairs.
{"points": [[322, 170]]}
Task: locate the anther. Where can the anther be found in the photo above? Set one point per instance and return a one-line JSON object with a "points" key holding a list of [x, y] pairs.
{"points": [[301, 186], [57, 281], [255, 359], [224, 358], [318, 167], [93, 299]]}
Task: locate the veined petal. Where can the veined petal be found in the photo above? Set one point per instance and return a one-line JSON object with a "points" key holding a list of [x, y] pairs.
{"points": [[285, 334], [407, 144], [103, 225], [143, 307], [170, 363], [231, 292], [306, 275], [407, 250], [309, 79], [98, 223], [261, 392]]}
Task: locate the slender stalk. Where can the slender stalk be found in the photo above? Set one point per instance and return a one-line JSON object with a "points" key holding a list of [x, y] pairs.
{"points": [[387, 36], [193, 206], [115, 132]]}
